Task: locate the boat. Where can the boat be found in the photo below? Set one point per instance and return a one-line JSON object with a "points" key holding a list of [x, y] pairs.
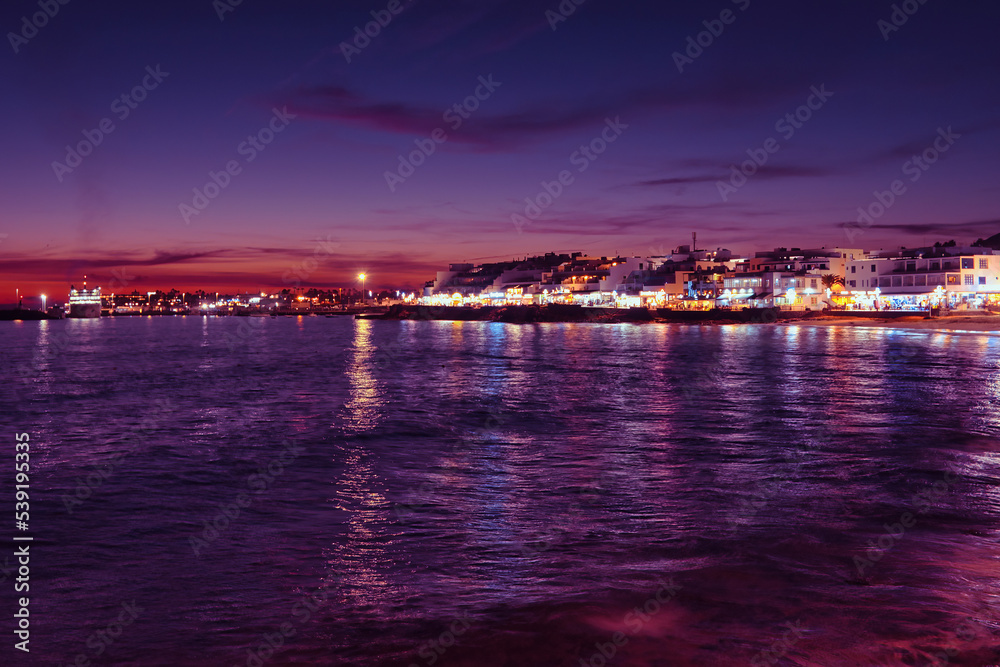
{"points": [[84, 302]]}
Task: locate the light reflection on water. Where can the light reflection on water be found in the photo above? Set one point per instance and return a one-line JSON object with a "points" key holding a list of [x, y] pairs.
{"points": [[541, 478]]}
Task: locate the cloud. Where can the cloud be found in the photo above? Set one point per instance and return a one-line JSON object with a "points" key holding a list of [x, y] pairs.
{"points": [[910, 148], [769, 171], [498, 132], [971, 228], [250, 267], [503, 132], [48, 266], [677, 180]]}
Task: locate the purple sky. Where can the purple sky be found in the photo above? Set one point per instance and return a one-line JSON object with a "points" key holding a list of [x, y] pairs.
{"points": [[314, 206]]}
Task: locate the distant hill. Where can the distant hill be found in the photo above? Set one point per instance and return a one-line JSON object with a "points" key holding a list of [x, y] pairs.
{"points": [[991, 242]]}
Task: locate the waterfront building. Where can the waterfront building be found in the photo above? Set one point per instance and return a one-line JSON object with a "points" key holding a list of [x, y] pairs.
{"points": [[921, 277]]}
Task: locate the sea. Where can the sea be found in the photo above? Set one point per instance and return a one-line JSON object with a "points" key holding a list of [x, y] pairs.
{"points": [[329, 491]]}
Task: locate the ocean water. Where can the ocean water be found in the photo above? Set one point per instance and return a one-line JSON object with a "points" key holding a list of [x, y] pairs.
{"points": [[257, 491]]}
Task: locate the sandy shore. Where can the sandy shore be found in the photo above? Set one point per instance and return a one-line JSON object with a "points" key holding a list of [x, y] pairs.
{"points": [[986, 323]]}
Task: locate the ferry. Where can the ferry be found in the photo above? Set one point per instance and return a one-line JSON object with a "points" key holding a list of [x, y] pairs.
{"points": [[84, 302]]}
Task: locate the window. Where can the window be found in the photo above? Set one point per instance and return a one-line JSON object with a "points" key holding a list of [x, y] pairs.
{"points": [[854, 269], [813, 301], [911, 266], [968, 263], [968, 279], [984, 263], [935, 266], [873, 268], [852, 283], [953, 278], [812, 283], [982, 280]]}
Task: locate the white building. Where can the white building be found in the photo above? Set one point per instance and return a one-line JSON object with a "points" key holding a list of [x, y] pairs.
{"points": [[921, 277]]}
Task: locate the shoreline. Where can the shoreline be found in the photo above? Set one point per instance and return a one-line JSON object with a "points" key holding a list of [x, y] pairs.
{"points": [[976, 321], [972, 323]]}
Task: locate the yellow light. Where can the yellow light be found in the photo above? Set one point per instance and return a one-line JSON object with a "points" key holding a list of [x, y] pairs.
{"points": [[361, 276]]}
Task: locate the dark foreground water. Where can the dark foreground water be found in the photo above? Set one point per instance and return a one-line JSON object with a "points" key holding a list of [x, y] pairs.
{"points": [[434, 493]]}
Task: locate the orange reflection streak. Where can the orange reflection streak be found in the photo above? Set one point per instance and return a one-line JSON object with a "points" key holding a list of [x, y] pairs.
{"points": [[361, 559]]}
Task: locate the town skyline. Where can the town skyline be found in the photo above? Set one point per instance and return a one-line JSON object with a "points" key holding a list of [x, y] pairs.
{"points": [[392, 140], [296, 280]]}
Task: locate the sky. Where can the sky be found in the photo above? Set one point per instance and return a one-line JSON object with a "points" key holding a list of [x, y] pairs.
{"points": [[264, 145]]}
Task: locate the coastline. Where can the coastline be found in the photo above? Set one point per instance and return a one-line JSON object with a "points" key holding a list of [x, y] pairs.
{"points": [[955, 321], [974, 323]]}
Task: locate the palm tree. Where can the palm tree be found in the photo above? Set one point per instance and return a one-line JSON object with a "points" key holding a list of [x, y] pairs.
{"points": [[829, 280]]}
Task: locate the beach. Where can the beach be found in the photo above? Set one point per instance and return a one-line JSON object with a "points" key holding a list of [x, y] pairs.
{"points": [[954, 322]]}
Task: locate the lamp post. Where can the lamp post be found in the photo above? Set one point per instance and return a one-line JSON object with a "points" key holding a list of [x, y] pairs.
{"points": [[362, 277]]}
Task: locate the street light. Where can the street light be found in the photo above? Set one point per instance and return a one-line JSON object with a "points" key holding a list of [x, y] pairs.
{"points": [[43, 303], [362, 277]]}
